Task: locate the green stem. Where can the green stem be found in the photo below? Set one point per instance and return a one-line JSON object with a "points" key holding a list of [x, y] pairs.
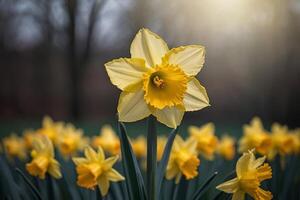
{"points": [[151, 158]]}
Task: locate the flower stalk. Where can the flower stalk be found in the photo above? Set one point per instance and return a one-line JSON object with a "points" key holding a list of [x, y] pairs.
{"points": [[151, 158]]}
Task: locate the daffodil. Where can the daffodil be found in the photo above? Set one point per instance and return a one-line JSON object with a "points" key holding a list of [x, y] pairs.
{"points": [[108, 140], [95, 170], [28, 136], [282, 141], [206, 140], [226, 147], [71, 140], [158, 81], [255, 136], [183, 160], [43, 160], [139, 146], [161, 143], [295, 134], [14, 146], [50, 129], [250, 173]]}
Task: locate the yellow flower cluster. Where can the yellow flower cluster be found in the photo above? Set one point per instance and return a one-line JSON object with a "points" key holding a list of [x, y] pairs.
{"points": [[279, 141]]}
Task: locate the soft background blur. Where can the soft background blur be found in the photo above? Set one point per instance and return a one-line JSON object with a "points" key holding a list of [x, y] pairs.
{"points": [[52, 54]]}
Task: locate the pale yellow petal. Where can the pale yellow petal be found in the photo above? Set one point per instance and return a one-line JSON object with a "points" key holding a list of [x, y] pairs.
{"points": [[79, 161], [109, 162], [103, 184], [258, 162], [148, 46], [178, 177], [172, 172], [196, 97], [90, 154], [242, 165], [190, 58], [238, 195], [230, 186], [100, 153], [170, 116], [125, 72], [132, 106], [54, 169], [114, 176]]}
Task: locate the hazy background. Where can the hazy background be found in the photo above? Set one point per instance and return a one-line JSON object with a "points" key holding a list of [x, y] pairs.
{"points": [[52, 54]]}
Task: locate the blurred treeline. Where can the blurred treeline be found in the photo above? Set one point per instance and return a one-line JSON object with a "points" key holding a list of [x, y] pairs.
{"points": [[52, 54]]}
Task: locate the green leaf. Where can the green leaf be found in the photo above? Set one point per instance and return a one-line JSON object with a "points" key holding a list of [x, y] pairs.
{"points": [[181, 189], [133, 176], [34, 190], [164, 161], [202, 189], [151, 158]]}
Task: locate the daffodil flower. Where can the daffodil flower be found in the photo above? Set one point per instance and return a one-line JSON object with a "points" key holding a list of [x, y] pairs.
{"points": [[50, 129], [95, 170], [255, 137], [206, 140], [250, 173], [183, 160], [158, 81], [226, 147], [282, 141], [14, 146], [43, 159], [108, 140], [71, 140]]}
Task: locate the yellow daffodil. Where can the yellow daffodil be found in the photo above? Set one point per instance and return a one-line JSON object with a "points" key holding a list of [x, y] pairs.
{"points": [[43, 160], [158, 81], [108, 140], [51, 129], [139, 146], [183, 160], [255, 136], [226, 147], [250, 173], [14, 146], [28, 136], [206, 140], [161, 143], [94, 170], [71, 140], [282, 141], [295, 134]]}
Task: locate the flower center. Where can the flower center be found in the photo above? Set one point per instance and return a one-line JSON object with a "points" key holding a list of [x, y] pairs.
{"points": [[158, 82], [165, 85]]}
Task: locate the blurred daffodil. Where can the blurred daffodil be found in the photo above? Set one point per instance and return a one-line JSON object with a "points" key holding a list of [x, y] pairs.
{"points": [[255, 136], [139, 146], [71, 140], [206, 140], [14, 146], [161, 143], [50, 129], [158, 81], [95, 170], [108, 140], [295, 134], [226, 147], [43, 160], [250, 173], [282, 141], [28, 136], [183, 160]]}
